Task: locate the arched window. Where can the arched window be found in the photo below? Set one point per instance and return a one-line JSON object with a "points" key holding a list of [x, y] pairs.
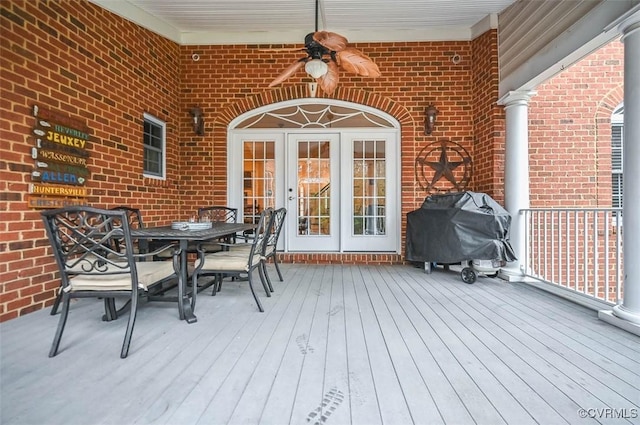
{"points": [[617, 143]]}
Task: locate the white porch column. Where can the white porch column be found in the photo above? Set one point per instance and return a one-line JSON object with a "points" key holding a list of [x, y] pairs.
{"points": [[627, 314], [516, 174]]}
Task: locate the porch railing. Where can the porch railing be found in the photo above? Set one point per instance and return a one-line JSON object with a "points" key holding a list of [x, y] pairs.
{"points": [[579, 249]]}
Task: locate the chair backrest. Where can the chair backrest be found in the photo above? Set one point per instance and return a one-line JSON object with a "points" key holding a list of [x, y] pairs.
{"points": [[275, 227], [261, 235], [219, 214], [85, 241], [134, 218]]}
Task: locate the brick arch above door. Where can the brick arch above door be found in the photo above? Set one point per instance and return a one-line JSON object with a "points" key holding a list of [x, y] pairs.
{"points": [[409, 130], [395, 109]]}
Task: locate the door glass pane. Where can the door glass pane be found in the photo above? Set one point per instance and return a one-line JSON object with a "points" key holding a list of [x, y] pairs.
{"points": [[369, 188], [314, 188], [258, 178]]}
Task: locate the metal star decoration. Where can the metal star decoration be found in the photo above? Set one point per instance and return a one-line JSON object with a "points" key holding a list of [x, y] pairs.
{"points": [[451, 157]]}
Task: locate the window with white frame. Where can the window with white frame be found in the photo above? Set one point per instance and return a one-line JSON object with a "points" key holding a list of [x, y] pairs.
{"points": [[154, 163], [617, 143]]}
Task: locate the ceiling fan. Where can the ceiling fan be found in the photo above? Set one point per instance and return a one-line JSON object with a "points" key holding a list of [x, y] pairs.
{"points": [[326, 52]]}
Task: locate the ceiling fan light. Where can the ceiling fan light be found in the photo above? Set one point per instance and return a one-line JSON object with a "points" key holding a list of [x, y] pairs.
{"points": [[316, 68]]}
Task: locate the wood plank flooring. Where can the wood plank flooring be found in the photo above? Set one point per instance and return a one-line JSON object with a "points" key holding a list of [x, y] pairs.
{"points": [[336, 345]]}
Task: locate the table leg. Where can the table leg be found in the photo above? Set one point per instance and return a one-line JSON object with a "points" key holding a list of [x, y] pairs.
{"points": [[184, 303]]}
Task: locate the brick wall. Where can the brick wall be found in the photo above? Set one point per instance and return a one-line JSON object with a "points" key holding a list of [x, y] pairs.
{"points": [[230, 80], [570, 158], [489, 118], [78, 59], [84, 62], [570, 134]]}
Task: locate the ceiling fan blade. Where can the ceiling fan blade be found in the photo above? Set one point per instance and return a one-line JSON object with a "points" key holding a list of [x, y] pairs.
{"points": [[288, 72], [330, 40], [353, 60], [329, 81]]}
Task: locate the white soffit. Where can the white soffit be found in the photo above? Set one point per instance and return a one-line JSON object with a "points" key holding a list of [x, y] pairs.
{"points": [[585, 33], [191, 22]]}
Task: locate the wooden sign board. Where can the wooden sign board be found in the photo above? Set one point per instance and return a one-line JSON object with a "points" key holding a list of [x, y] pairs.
{"points": [[57, 190], [60, 155], [47, 202]]}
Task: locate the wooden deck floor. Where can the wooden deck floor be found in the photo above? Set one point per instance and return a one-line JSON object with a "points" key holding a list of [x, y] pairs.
{"points": [[336, 345]]}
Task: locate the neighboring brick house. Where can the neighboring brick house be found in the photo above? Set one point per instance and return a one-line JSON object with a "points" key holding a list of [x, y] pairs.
{"points": [[570, 132], [574, 164]]}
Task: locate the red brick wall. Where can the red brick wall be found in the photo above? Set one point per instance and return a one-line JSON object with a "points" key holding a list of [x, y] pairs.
{"points": [[489, 118], [570, 156], [570, 134], [230, 80], [79, 59], [233, 79]]}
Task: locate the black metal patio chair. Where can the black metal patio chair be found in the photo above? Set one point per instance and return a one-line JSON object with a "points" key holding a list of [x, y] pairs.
{"points": [[84, 241], [235, 262], [218, 214], [271, 247], [134, 217]]}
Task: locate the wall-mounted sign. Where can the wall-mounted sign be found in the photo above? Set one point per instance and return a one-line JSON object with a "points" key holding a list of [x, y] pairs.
{"points": [[60, 160], [43, 202], [57, 190]]}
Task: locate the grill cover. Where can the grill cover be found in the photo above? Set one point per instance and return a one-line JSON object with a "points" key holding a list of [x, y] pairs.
{"points": [[456, 227]]}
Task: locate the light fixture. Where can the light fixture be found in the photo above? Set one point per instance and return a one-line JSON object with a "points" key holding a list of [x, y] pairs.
{"points": [[430, 118], [316, 68], [198, 121]]}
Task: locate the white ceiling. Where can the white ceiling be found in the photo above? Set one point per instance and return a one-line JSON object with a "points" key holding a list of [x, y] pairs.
{"points": [[288, 21]]}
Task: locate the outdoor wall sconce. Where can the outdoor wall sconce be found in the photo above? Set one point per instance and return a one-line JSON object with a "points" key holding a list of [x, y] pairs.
{"points": [[198, 121], [430, 118]]}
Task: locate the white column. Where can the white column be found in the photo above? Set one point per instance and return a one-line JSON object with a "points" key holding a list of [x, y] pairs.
{"points": [[627, 314], [516, 174]]}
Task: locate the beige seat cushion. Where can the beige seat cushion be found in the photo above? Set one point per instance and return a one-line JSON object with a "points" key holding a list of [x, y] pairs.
{"points": [[243, 249], [227, 261], [149, 273]]}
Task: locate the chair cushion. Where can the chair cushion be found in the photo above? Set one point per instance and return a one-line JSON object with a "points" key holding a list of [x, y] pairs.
{"points": [[227, 261], [149, 273], [243, 249]]}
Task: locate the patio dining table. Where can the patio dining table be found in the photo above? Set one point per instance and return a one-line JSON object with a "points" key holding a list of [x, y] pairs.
{"points": [[186, 304]]}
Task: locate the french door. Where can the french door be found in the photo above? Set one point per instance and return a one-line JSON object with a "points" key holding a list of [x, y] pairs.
{"points": [[370, 192], [340, 188], [313, 192], [334, 165]]}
